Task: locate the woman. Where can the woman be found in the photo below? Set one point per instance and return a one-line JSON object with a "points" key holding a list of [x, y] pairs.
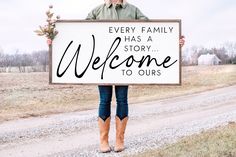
{"points": [[114, 10]]}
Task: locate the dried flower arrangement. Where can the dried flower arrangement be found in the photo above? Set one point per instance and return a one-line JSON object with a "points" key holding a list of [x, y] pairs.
{"points": [[48, 30]]}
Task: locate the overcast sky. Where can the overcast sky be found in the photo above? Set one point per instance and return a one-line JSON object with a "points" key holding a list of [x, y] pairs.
{"points": [[204, 22]]}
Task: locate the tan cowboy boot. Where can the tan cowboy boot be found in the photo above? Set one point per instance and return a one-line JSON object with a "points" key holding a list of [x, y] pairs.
{"points": [[120, 132], [104, 127]]}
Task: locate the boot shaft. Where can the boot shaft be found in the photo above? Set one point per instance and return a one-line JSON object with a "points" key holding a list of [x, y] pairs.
{"points": [[104, 127], [120, 133]]}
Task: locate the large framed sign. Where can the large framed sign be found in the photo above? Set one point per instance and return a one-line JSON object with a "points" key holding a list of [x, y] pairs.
{"points": [[116, 52]]}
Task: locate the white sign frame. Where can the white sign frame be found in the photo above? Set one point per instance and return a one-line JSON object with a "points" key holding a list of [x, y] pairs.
{"points": [[160, 30]]}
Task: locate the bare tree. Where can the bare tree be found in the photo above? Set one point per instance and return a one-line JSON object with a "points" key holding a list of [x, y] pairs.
{"points": [[8, 62], [17, 60], [2, 61], [231, 51], [2, 57], [41, 58], [221, 53]]}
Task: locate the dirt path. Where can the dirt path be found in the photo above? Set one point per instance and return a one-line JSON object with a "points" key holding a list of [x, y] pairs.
{"points": [[150, 126]]}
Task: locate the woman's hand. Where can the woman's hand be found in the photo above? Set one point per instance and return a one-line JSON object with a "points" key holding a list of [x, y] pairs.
{"points": [[49, 42], [182, 41]]}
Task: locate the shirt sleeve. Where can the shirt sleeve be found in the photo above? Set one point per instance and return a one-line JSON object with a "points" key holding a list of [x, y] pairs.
{"points": [[91, 15], [140, 15]]}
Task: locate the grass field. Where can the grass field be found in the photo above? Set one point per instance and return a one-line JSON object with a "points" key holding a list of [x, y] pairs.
{"points": [[29, 94], [218, 142]]}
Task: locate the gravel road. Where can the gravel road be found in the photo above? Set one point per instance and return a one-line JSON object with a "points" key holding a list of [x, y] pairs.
{"points": [[151, 125]]}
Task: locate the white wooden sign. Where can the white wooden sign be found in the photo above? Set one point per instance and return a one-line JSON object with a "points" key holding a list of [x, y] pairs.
{"points": [[116, 52]]}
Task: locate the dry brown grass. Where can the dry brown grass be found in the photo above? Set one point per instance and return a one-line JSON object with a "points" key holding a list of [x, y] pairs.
{"points": [[29, 94], [218, 142]]}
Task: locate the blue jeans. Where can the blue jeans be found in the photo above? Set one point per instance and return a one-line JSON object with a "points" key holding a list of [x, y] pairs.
{"points": [[105, 101]]}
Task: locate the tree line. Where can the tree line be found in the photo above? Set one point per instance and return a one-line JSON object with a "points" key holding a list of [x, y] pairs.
{"points": [[24, 62]]}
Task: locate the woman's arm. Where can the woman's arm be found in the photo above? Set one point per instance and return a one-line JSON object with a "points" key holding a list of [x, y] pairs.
{"points": [[91, 15]]}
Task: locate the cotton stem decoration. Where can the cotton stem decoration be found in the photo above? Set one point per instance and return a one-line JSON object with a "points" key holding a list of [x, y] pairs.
{"points": [[48, 30]]}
